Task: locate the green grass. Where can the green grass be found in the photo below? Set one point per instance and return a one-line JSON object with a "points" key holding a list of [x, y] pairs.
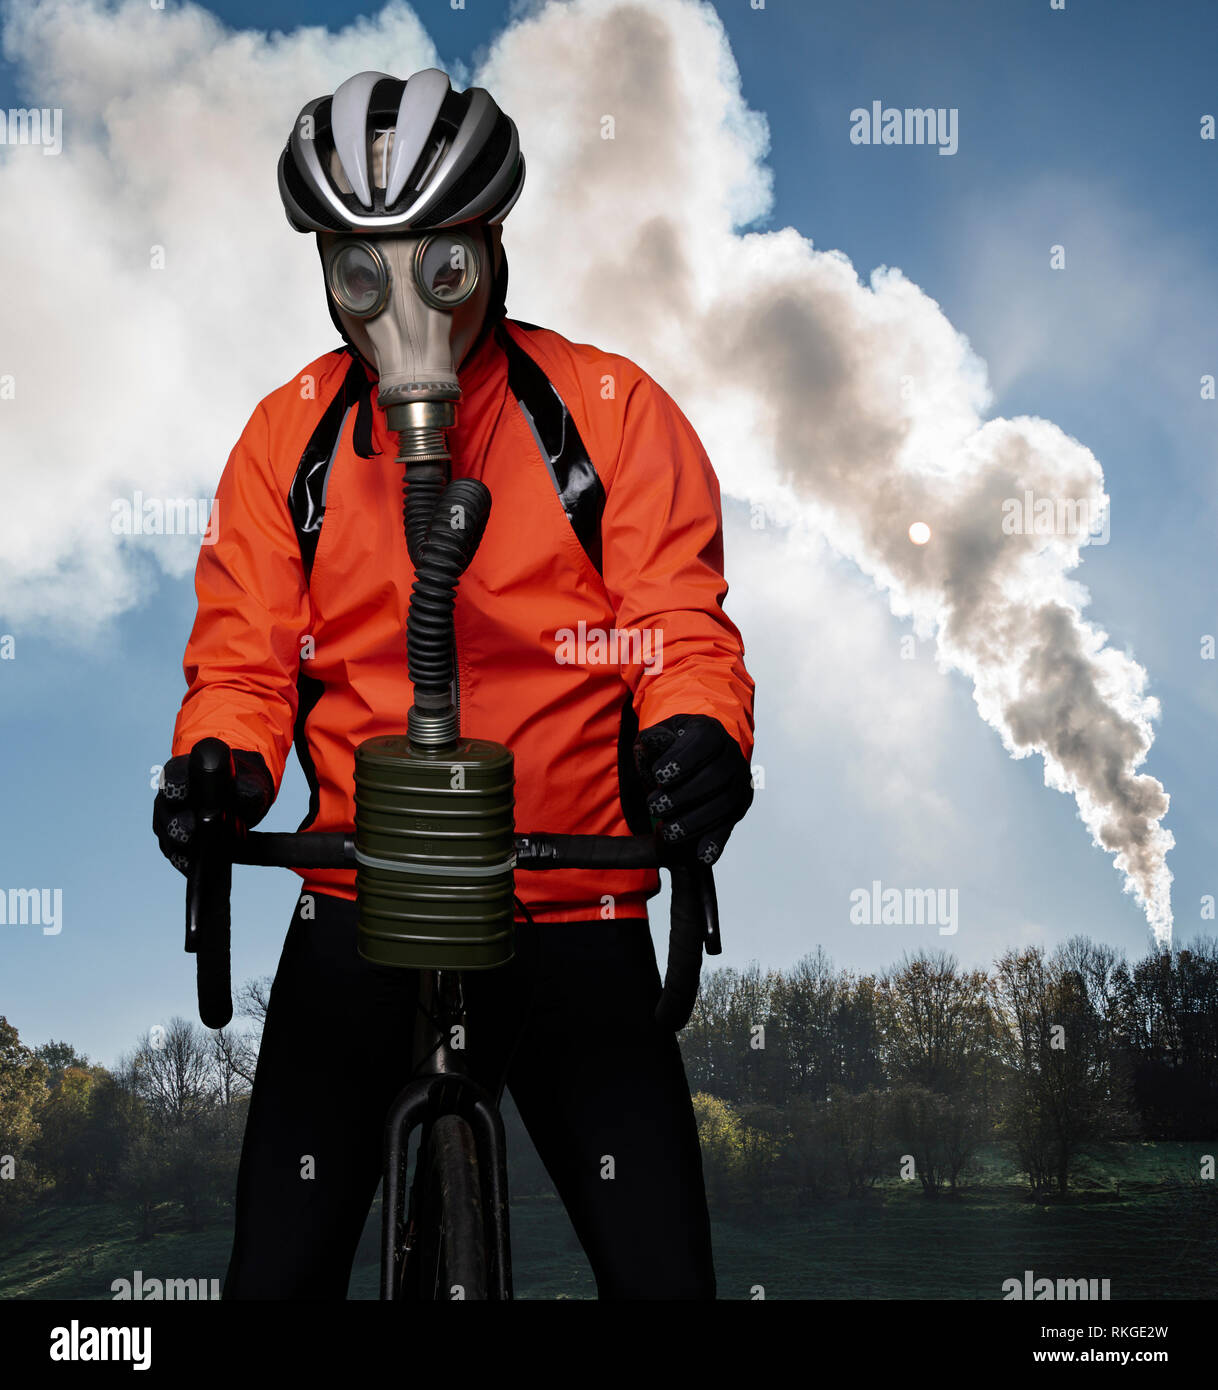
{"points": [[76, 1251], [904, 1246], [1153, 1239], [1128, 1221]]}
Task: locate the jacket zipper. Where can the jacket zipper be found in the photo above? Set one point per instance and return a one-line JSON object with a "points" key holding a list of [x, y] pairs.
{"points": [[456, 680]]}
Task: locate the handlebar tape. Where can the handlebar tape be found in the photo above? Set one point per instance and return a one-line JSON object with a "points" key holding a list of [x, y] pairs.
{"points": [[209, 882], [310, 849], [685, 937], [545, 851], [711, 939]]}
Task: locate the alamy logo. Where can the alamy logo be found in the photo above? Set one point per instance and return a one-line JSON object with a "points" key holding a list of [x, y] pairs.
{"points": [[144, 1290], [911, 125], [1068, 1290], [138, 515], [615, 646], [32, 907], [42, 125], [76, 1343], [908, 907], [1031, 515]]}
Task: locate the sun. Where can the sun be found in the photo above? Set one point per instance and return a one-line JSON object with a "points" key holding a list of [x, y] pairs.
{"points": [[919, 533]]}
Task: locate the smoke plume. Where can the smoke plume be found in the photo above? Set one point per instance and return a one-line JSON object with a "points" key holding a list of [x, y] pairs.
{"points": [[855, 407]]}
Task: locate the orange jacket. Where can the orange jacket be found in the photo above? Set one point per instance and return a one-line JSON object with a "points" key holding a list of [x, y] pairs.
{"points": [[605, 513]]}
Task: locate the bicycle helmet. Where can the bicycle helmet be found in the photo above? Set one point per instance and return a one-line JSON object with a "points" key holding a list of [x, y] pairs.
{"points": [[387, 155]]}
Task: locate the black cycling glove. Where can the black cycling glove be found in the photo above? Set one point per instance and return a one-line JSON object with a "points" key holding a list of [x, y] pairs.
{"points": [[173, 818], [699, 783]]}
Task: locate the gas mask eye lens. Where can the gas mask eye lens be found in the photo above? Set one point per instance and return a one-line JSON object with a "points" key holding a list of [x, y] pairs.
{"points": [[446, 270], [359, 279]]}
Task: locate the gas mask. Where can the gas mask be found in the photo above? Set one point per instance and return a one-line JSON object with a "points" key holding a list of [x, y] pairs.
{"points": [[413, 304]]}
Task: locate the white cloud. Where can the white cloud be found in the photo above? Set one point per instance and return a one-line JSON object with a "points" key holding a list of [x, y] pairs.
{"points": [[129, 378]]}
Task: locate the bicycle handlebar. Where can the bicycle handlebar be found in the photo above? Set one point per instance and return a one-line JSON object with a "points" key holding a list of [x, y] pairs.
{"points": [[695, 911]]}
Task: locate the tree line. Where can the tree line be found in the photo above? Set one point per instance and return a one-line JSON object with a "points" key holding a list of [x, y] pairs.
{"points": [[159, 1133], [822, 1080], [809, 1082]]}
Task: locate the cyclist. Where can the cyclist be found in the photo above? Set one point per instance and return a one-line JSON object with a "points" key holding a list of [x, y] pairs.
{"points": [[591, 640]]}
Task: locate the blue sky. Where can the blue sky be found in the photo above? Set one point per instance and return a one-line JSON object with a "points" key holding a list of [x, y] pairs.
{"points": [[1079, 126]]}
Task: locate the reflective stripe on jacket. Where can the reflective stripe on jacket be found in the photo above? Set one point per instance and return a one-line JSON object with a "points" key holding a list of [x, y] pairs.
{"points": [[592, 608]]}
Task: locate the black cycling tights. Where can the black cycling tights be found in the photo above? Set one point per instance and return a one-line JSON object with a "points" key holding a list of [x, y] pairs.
{"points": [[567, 1024]]}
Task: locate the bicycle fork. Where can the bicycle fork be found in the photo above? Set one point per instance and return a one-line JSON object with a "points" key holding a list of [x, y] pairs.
{"points": [[441, 1086]]}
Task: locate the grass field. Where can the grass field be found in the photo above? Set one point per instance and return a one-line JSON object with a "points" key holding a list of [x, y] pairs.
{"points": [[1151, 1237]]}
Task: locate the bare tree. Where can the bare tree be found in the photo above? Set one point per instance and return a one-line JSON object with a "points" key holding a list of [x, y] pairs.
{"points": [[173, 1071], [185, 1077], [1053, 1044], [940, 1132], [1169, 1026], [938, 1023], [234, 1058], [721, 1045], [253, 998], [806, 1000]]}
